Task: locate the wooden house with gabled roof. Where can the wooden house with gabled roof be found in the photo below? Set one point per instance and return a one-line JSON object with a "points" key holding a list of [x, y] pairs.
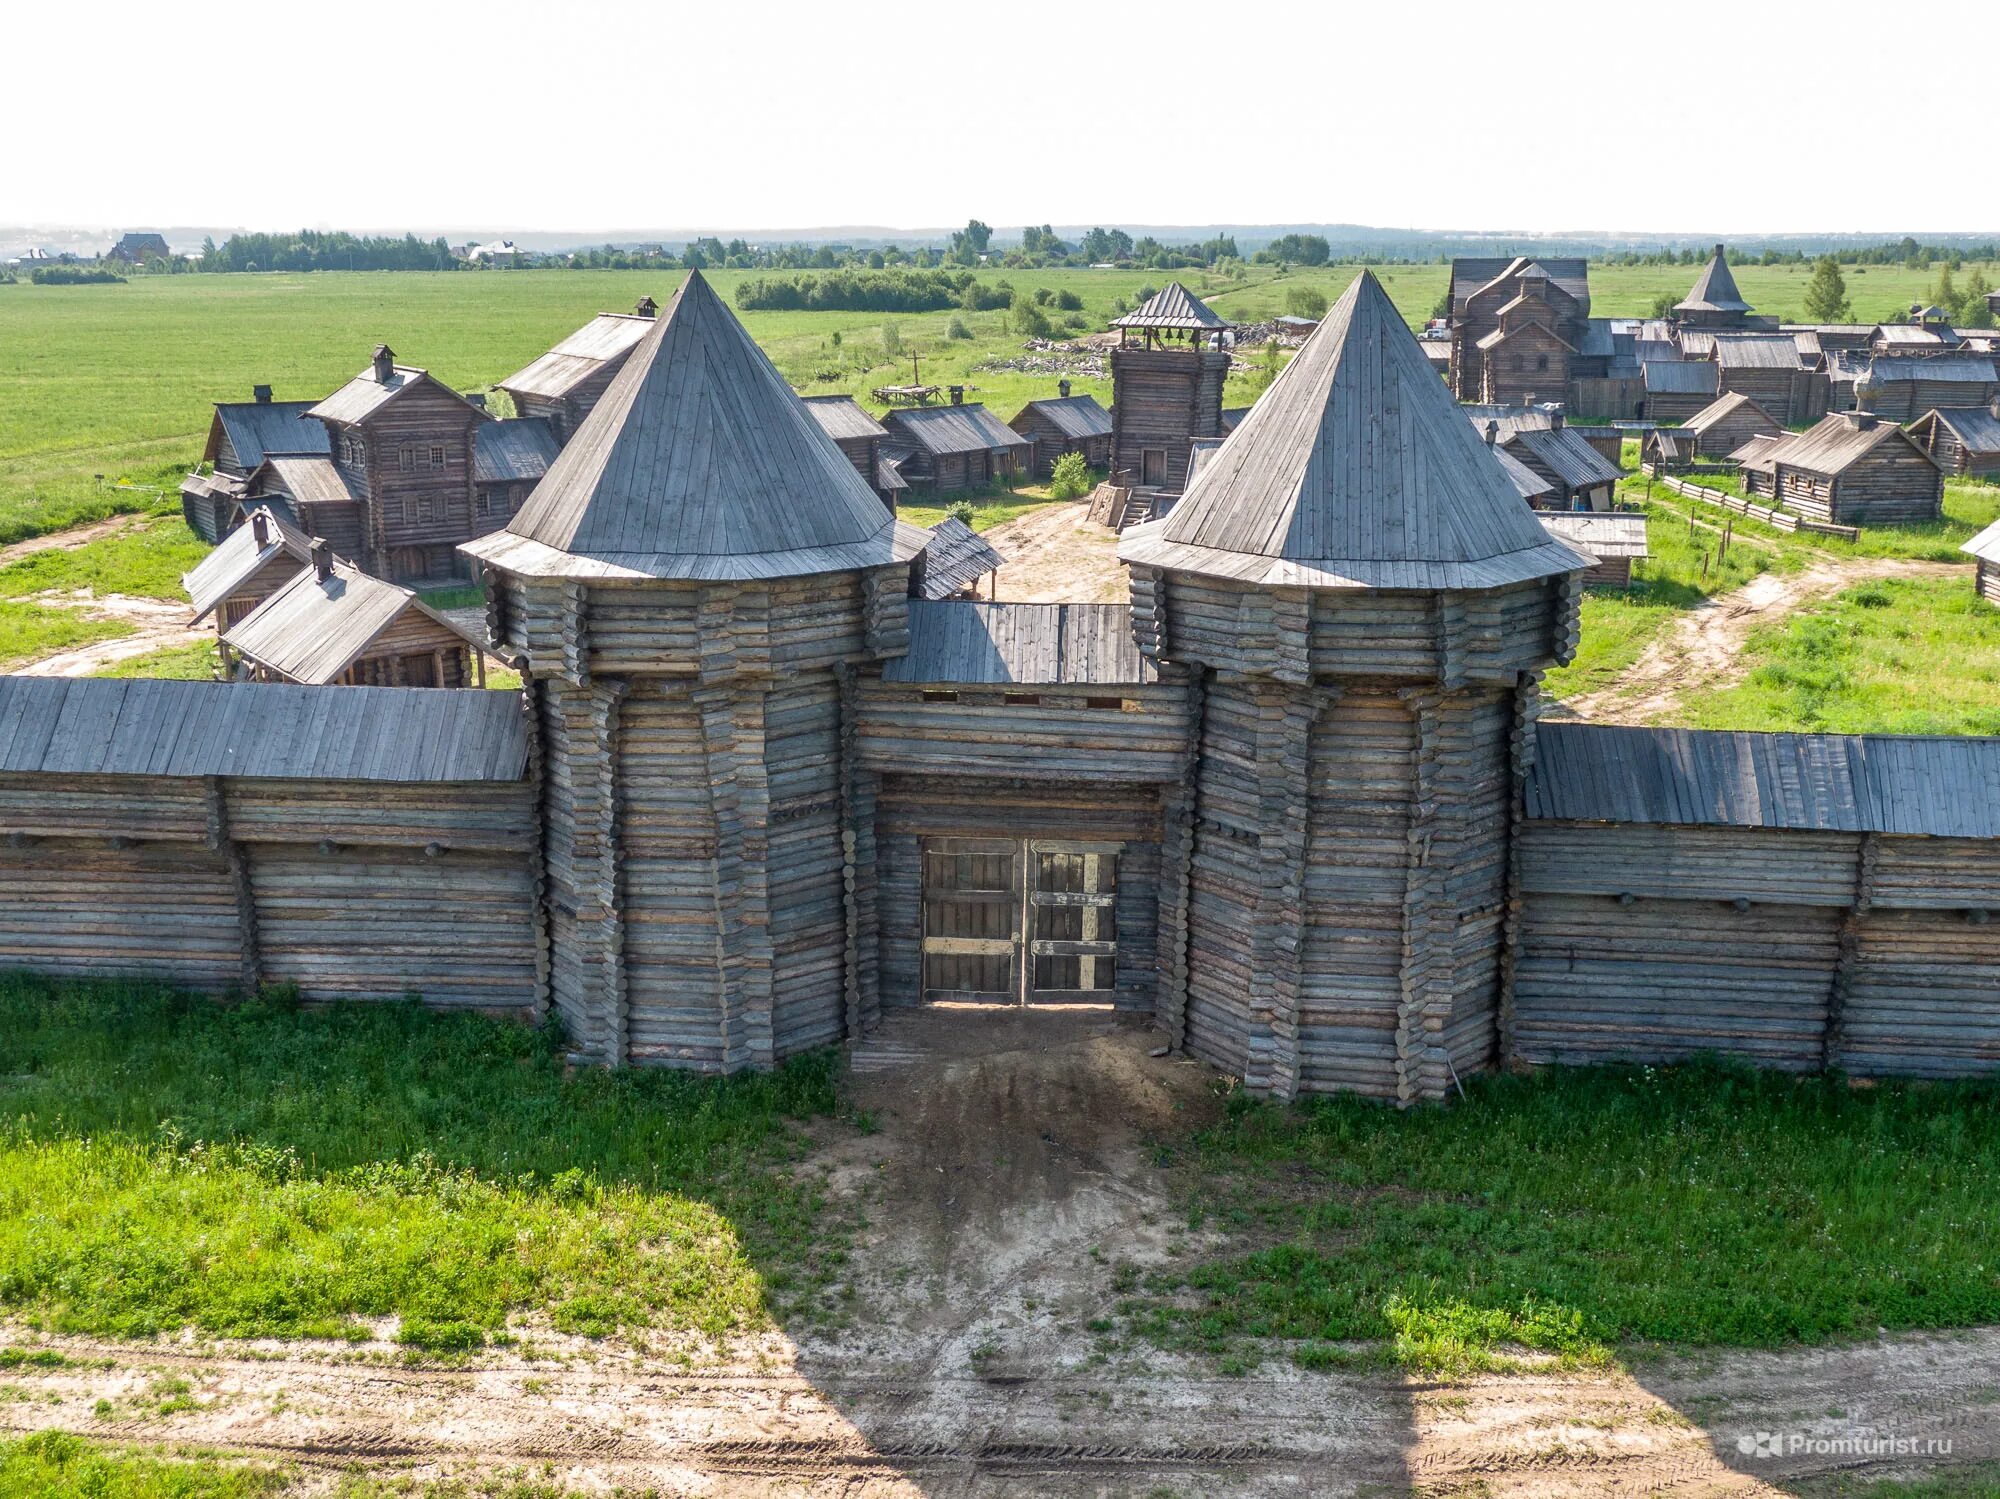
{"points": [[1481, 288], [1855, 469], [947, 448], [333, 625], [1167, 373], [249, 565], [1065, 424], [508, 461], [1985, 552], [860, 437], [403, 445], [240, 435], [310, 492], [1713, 301], [564, 384], [1962, 439], [1723, 426]]}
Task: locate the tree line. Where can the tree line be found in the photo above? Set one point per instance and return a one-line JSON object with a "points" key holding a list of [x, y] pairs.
{"points": [[324, 250]]}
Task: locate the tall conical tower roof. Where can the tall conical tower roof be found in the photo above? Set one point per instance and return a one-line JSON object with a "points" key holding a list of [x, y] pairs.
{"points": [[1714, 289], [699, 462], [1355, 470]]}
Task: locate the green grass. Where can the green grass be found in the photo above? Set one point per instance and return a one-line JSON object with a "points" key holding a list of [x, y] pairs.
{"points": [[1579, 1211], [991, 507], [56, 1465], [145, 560], [181, 663], [166, 1162], [1901, 656], [30, 631]]}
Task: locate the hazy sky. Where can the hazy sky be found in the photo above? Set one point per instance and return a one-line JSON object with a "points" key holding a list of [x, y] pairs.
{"points": [[756, 115]]}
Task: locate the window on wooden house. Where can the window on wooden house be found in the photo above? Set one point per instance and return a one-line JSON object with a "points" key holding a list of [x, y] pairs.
{"points": [[405, 459], [939, 695], [426, 508], [1541, 361], [482, 503], [1518, 362], [437, 457], [409, 510]]}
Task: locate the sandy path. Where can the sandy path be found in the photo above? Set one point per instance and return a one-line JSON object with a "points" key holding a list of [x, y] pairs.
{"points": [[1055, 555], [156, 623], [1007, 1181], [1703, 650], [68, 541]]}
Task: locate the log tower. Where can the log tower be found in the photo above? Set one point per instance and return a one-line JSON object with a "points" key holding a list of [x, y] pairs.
{"points": [[689, 591], [1367, 608], [1166, 388]]}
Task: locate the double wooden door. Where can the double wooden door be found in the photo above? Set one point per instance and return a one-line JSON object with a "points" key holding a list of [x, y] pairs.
{"points": [[1012, 921]]}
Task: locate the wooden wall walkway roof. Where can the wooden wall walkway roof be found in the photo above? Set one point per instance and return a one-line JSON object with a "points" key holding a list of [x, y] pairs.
{"points": [[699, 462], [956, 641], [105, 726], [1354, 470], [1851, 783]]}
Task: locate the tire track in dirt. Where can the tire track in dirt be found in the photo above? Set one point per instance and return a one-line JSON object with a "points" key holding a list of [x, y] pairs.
{"points": [[1702, 651]]}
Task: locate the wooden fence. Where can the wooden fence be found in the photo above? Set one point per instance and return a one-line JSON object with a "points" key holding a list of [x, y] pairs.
{"points": [[1782, 520]]}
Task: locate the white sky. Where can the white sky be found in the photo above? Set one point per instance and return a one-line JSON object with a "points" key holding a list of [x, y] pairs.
{"points": [[497, 115]]}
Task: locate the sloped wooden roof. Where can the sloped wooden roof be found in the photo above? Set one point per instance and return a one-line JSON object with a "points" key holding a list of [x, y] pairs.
{"points": [[699, 462], [313, 629], [1731, 405], [512, 452], [238, 558], [1354, 470], [364, 395], [1986, 545], [255, 428], [1845, 783], [1602, 534], [307, 480], [608, 336], [955, 557], [1532, 486], [1172, 306], [1567, 455], [1977, 427], [960, 641], [1836, 443], [1756, 351], [1680, 377], [141, 727], [940, 430], [1471, 274], [1714, 289], [842, 417], [1076, 417]]}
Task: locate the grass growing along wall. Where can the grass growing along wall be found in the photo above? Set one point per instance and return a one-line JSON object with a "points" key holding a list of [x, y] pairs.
{"points": [[1574, 1211], [168, 1162]]}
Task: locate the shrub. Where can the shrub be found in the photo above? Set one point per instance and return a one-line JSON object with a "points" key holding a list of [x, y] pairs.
{"points": [[1070, 478], [960, 510], [73, 275], [1030, 319], [1069, 301], [892, 341], [1306, 302], [958, 329]]}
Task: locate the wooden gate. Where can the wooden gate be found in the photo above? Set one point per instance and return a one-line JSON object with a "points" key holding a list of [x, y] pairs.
{"points": [[1019, 921]]}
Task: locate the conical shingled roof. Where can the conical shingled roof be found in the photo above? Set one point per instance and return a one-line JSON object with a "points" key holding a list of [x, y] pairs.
{"points": [[1172, 306], [1714, 290], [1355, 470], [699, 462]]}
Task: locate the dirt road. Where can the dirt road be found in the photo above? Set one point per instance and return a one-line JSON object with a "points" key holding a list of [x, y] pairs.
{"points": [[156, 623], [1056, 556], [1008, 1176], [1703, 650], [67, 541]]}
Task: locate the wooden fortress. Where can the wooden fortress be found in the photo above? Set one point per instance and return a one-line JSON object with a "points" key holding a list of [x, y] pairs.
{"points": [[1292, 804]]}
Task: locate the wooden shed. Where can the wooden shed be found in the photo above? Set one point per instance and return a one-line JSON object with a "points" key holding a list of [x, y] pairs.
{"points": [[1669, 450], [333, 625], [1583, 478], [1766, 368], [1985, 551], [953, 562], [1724, 426], [1066, 424], [1963, 440], [1755, 465], [1615, 541], [1855, 469], [1677, 388], [947, 448], [253, 562], [860, 437], [1167, 375], [564, 384]]}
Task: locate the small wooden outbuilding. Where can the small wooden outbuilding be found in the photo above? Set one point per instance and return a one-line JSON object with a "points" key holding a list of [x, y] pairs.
{"points": [[860, 437], [947, 448], [249, 565], [1584, 480], [1616, 540], [1962, 440], [564, 384], [953, 562], [1669, 450], [333, 625], [1732, 420], [1678, 388], [1985, 551], [1855, 469], [1066, 424]]}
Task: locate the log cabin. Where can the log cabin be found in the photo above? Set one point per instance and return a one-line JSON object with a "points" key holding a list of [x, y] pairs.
{"points": [[1963, 440], [1615, 541], [508, 461], [240, 435], [402, 445], [1985, 552], [1903, 389], [1722, 427], [249, 565], [953, 562], [1677, 388], [942, 449], [1856, 469], [334, 625], [564, 384], [1766, 368], [1167, 374], [1583, 478], [1482, 287], [1066, 424], [860, 437]]}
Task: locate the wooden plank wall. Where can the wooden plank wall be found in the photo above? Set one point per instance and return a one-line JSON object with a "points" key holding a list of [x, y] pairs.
{"points": [[347, 890], [1787, 949]]}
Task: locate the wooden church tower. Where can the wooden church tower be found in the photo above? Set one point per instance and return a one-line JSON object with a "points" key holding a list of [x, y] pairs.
{"points": [[1166, 388], [690, 589], [1366, 608]]}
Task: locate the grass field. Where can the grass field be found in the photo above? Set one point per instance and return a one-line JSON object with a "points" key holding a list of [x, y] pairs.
{"points": [[117, 380], [1580, 1211]]}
